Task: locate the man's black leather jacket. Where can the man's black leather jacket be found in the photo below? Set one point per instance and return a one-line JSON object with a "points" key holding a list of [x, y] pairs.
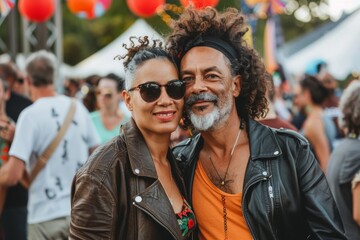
{"points": [[285, 193]]}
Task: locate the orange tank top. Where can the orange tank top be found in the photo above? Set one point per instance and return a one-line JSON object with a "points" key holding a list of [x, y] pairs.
{"points": [[208, 208]]}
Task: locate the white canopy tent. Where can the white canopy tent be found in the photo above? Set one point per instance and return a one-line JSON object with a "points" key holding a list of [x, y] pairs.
{"points": [[338, 47], [103, 62]]}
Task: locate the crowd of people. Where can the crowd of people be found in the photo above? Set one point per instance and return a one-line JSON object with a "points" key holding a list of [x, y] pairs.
{"points": [[195, 141]]}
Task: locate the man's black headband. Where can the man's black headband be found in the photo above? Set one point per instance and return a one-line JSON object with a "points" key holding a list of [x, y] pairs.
{"points": [[213, 42]]}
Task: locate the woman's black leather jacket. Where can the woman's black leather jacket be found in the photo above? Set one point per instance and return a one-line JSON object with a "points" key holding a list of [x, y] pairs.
{"points": [[285, 193]]}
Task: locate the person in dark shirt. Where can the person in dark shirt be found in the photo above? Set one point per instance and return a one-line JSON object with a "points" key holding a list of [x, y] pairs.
{"points": [[14, 216]]}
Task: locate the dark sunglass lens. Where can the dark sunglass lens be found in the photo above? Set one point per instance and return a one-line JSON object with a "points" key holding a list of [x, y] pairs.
{"points": [[150, 92], [176, 89]]}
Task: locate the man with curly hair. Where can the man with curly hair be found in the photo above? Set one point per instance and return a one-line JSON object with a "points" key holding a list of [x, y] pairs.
{"points": [[244, 180]]}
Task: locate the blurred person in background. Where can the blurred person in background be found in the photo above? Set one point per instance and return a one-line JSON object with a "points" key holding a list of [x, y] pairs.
{"points": [[16, 102], [319, 69], [19, 85], [49, 193], [15, 209], [131, 187], [331, 102], [309, 94], [7, 130], [88, 89], [343, 171], [72, 88], [272, 119], [109, 117], [277, 96]]}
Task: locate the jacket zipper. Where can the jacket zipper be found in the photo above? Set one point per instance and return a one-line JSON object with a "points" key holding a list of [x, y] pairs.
{"points": [[259, 179], [271, 193], [271, 196], [157, 220]]}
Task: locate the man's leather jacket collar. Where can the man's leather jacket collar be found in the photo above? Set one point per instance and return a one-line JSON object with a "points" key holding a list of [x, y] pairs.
{"points": [[263, 143]]}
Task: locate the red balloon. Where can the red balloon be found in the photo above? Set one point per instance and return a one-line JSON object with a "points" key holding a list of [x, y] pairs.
{"points": [[144, 8], [198, 4], [37, 11]]}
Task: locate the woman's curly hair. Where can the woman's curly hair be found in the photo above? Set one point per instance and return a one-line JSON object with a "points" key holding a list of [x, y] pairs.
{"points": [[140, 52], [231, 27]]}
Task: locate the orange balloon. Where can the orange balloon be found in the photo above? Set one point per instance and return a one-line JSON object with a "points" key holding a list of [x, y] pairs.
{"points": [[77, 6], [144, 8], [198, 4]]}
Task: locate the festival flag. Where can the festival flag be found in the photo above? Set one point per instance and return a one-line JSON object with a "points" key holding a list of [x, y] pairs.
{"points": [[5, 8]]}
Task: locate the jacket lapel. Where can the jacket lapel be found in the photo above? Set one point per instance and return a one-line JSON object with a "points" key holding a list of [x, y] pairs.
{"points": [[263, 143], [150, 199], [154, 201]]}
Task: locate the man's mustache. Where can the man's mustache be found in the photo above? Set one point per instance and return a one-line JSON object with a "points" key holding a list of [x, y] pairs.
{"points": [[193, 98]]}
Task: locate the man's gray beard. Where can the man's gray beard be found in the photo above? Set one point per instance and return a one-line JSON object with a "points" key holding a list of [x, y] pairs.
{"points": [[211, 120]]}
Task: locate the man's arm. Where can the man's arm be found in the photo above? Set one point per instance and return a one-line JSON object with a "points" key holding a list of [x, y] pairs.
{"points": [[12, 172], [322, 213]]}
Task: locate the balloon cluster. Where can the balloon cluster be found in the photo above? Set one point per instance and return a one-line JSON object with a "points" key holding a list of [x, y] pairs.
{"points": [[43, 10]]}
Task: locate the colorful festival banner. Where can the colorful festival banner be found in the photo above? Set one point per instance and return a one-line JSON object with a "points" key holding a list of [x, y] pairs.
{"points": [[5, 8]]}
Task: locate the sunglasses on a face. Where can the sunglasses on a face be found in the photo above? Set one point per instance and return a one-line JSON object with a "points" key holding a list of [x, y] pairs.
{"points": [[151, 91]]}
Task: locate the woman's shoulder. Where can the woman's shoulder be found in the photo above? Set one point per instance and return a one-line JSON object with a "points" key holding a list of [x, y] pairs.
{"points": [[105, 158]]}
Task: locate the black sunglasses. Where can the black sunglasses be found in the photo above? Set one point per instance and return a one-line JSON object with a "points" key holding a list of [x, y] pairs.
{"points": [[151, 91]]}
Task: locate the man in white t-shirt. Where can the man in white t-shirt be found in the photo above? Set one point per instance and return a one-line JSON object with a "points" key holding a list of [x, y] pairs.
{"points": [[49, 194]]}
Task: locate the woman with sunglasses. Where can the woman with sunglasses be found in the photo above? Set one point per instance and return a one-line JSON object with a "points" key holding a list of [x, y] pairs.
{"points": [[131, 188]]}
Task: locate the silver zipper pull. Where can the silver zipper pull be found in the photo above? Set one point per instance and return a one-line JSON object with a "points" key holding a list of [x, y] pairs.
{"points": [[271, 194]]}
